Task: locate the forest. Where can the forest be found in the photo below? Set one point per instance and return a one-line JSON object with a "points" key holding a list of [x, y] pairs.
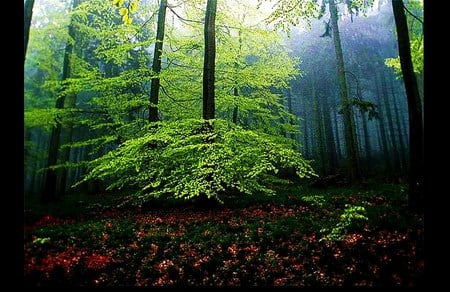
{"points": [[223, 143]]}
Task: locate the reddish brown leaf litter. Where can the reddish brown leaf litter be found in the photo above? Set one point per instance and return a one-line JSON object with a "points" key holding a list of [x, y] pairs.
{"points": [[234, 248]]}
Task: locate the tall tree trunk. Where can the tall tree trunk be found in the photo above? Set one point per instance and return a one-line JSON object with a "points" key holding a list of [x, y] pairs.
{"points": [[304, 126], [209, 60], [65, 152], [289, 104], [350, 139], [336, 132], [320, 151], [399, 129], [382, 129], [27, 15], [235, 90], [156, 66], [331, 147], [396, 156], [416, 153], [50, 186], [367, 145]]}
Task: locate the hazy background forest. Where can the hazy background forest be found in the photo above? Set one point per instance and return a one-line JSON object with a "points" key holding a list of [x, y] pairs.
{"points": [[149, 101], [300, 79]]}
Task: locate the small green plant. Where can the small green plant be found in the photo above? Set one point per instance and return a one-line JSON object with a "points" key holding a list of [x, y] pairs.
{"points": [[351, 219], [41, 240], [314, 200]]}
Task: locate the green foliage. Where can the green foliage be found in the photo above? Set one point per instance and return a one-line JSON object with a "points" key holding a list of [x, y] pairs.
{"points": [[126, 9], [352, 218], [186, 159], [314, 200], [41, 240], [416, 39], [288, 13]]}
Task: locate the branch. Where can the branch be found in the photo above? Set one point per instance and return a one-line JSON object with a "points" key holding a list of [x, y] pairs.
{"points": [[410, 13], [174, 100]]}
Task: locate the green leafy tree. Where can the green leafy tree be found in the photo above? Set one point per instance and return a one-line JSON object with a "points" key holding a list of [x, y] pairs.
{"points": [[186, 158]]}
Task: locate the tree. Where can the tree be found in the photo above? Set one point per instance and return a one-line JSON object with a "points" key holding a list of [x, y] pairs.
{"points": [[209, 60], [349, 131], [416, 153], [156, 66], [27, 15], [289, 12], [50, 188], [186, 158]]}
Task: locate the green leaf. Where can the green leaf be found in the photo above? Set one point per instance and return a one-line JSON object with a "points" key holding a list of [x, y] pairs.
{"points": [[133, 7], [123, 11]]}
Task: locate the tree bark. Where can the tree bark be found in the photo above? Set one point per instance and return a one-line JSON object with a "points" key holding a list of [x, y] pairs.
{"points": [[27, 15], [50, 185], [331, 147], [235, 90], [396, 156], [402, 148], [350, 141], [156, 65], [336, 131], [367, 145], [416, 152], [320, 151], [209, 61], [382, 128]]}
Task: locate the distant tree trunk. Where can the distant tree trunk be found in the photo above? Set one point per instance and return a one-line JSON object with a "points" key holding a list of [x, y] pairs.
{"points": [[336, 132], [235, 90], [320, 151], [209, 60], [156, 65], [50, 186], [402, 150], [367, 145], [416, 154], [331, 147], [304, 128], [396, 160], [382, 128], [27, 15], [289, 104], [350, 139], [65, 155]]}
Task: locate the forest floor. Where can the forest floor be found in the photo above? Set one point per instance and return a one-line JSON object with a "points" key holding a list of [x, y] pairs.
{"points": [[301, 237]]}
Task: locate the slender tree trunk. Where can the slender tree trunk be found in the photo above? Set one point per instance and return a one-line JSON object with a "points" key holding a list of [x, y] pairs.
{"points": [[336, 131], [235, 90], [320, 153], [27, 15], [350, 141], [416, 154], [65, 153], [367, 145], [396, 156], [304, 127], [209, 61], [399, 129], [50, 186], [289, 104], [331, 147], [236, 107], [382, 128], [156, 65]]}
